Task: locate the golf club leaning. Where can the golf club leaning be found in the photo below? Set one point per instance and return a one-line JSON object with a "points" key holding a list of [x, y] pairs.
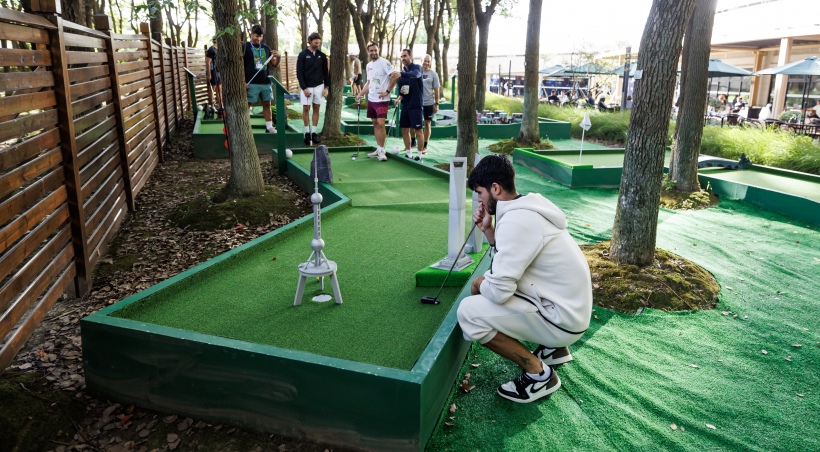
{"points": [[260, 69], [434, 300], [358, 126]]}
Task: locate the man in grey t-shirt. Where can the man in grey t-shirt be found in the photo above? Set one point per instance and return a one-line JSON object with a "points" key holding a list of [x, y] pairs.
{"points": [[431, 84]]}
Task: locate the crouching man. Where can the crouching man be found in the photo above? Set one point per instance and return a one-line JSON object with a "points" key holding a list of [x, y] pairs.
{"points": [[538, 288]]}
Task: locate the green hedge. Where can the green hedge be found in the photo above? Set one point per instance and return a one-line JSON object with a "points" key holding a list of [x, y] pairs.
{"points": [[764, 147]]}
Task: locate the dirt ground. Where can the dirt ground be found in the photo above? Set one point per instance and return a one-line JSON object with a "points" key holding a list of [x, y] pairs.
{"points": [[43, 400]]}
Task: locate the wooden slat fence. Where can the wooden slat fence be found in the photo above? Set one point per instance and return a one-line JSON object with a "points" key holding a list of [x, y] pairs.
{"points": [[84, 114], [195, 62], [287, 67]]}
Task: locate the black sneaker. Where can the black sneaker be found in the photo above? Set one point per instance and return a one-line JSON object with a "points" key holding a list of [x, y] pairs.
{"points": [[524, 389], [552, 356], [307, 139], [315, 138]]}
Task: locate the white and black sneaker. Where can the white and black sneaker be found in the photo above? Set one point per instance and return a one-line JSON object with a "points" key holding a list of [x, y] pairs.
{"points": [[553, 356], [525, 389]]}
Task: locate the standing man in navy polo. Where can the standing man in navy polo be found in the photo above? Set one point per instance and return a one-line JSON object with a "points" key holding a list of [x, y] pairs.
{"points": [[256, 74], [312, 72], [411, 96]]}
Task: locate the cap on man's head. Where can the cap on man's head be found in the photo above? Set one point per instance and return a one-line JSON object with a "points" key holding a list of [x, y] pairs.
{"points": [[257, 30]]}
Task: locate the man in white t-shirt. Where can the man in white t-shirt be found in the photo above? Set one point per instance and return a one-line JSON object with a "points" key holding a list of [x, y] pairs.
{"points": [[381, 78]]}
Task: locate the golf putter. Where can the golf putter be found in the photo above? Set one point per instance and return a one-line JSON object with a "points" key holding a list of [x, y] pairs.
{"points": [[260, 69], [434, 300], [358, 126]]}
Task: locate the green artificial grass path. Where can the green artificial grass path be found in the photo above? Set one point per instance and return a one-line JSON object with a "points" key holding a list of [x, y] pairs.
{"points": [[635, 375], [397, 224]]}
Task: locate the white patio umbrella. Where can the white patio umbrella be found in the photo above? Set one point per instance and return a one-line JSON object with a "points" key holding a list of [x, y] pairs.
{"points": [[808, 68]]}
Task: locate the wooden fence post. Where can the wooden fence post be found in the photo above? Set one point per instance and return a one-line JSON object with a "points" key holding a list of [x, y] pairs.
{"points": [[185, 59], [50, 9], [174, 94], [146, 30], [103, 23], [287, 72]]}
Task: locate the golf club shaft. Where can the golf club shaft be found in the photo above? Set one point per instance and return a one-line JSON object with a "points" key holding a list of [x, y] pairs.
{"points": [[456, 260], [260, 69]]}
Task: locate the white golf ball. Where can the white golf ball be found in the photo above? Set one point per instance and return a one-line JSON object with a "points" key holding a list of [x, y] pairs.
{"points": [[288, 153], [199, 107], [395, 150]]}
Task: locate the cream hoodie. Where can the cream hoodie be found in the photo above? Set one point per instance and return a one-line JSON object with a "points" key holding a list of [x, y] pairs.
{"points": [[536, 259]]}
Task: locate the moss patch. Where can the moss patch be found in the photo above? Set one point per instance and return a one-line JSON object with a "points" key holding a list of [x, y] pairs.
{"points": [[344, 139], [202, 214], [671, 283], [506, 146], [678, 200], [33, 413], [443, 166]]}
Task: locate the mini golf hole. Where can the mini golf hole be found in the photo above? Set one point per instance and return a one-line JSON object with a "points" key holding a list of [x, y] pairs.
{"points": [[322, 298]]}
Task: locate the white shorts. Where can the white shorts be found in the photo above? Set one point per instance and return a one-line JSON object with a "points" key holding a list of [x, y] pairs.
{"points": [[480, 319], [315, 95]]}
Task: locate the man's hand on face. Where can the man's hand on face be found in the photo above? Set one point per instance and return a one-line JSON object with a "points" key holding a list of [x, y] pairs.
{"points": [[483, 219], [475, 288]]}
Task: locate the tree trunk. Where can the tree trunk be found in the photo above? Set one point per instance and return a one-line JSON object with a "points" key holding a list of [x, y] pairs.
{"points": [[467, 143], [156, 20], [358, 30], [530, 132], [271, 37], [339, 32], [73, 11], [683, 168], [483, 18], [246, 173], [636, 216]]}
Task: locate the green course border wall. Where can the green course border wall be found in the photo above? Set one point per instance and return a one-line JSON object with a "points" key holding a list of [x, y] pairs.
{"points": [[297, 394], [766, 198], [212, 145], [549, 128], [574, 176]]}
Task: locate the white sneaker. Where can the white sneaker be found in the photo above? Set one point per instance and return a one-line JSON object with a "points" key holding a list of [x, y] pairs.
{"points": [[374, 154], [271, 129], [382, 156], [525, 389]]}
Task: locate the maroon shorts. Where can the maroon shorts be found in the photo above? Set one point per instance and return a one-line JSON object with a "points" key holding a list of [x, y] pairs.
{"points": [[377, 109]]}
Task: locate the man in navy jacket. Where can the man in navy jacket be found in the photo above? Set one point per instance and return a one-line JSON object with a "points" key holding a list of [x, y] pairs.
{"points": [[411, 96], [312, 72]]}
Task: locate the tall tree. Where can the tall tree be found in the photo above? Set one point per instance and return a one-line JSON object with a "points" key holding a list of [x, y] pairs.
{"points": [[446, 33], [530, 132], [271, 36], [467, 143], [74, 11], [636, 216], [318, 9], [432, 12], [362, 21], [246, 173], [683, 167], [483, 16], [339, 32]]}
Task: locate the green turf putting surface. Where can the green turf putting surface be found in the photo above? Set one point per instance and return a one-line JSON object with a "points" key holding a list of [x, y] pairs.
{"points": [[635, 376], [434, 277], [782, 182], [378, 250]]}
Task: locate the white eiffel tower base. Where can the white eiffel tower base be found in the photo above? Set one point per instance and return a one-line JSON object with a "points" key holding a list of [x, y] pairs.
{"points": [[463, 262]]}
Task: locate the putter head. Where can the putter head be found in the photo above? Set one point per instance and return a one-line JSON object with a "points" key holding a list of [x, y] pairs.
{"points": [[429, 300]]}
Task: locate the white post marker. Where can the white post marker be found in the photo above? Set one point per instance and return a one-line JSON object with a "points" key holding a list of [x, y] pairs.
{"points": [[455, 229], [476, 241], [585, 125]]}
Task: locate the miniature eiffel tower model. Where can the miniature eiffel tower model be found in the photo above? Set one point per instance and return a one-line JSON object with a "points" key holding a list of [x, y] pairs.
{"points": [[317, 265]]}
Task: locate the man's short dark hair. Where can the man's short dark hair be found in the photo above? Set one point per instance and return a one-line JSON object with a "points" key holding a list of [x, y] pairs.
{"points": [[371, 44], [257, 30], [409, 52], [313, 36], [492, 169]]}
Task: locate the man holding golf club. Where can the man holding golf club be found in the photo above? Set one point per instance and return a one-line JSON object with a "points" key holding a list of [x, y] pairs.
{"points": [[538, 288], [381, 78], [312, 72], [256, 58]]}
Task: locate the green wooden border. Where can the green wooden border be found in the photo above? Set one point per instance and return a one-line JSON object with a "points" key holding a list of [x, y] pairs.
{"points": [[293, 393], [212, 145]]}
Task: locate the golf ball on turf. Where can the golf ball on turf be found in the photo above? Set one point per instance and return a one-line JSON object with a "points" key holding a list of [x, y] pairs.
{"points": [[288, 153]]}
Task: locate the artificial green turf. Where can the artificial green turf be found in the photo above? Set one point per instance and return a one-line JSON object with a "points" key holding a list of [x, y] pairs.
{"points": [[805, 188], [378, 247], [634, 376], [434, 277], [609, 159]]}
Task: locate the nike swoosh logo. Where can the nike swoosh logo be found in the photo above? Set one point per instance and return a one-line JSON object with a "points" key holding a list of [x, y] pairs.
{"points": [[534, 389]]}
